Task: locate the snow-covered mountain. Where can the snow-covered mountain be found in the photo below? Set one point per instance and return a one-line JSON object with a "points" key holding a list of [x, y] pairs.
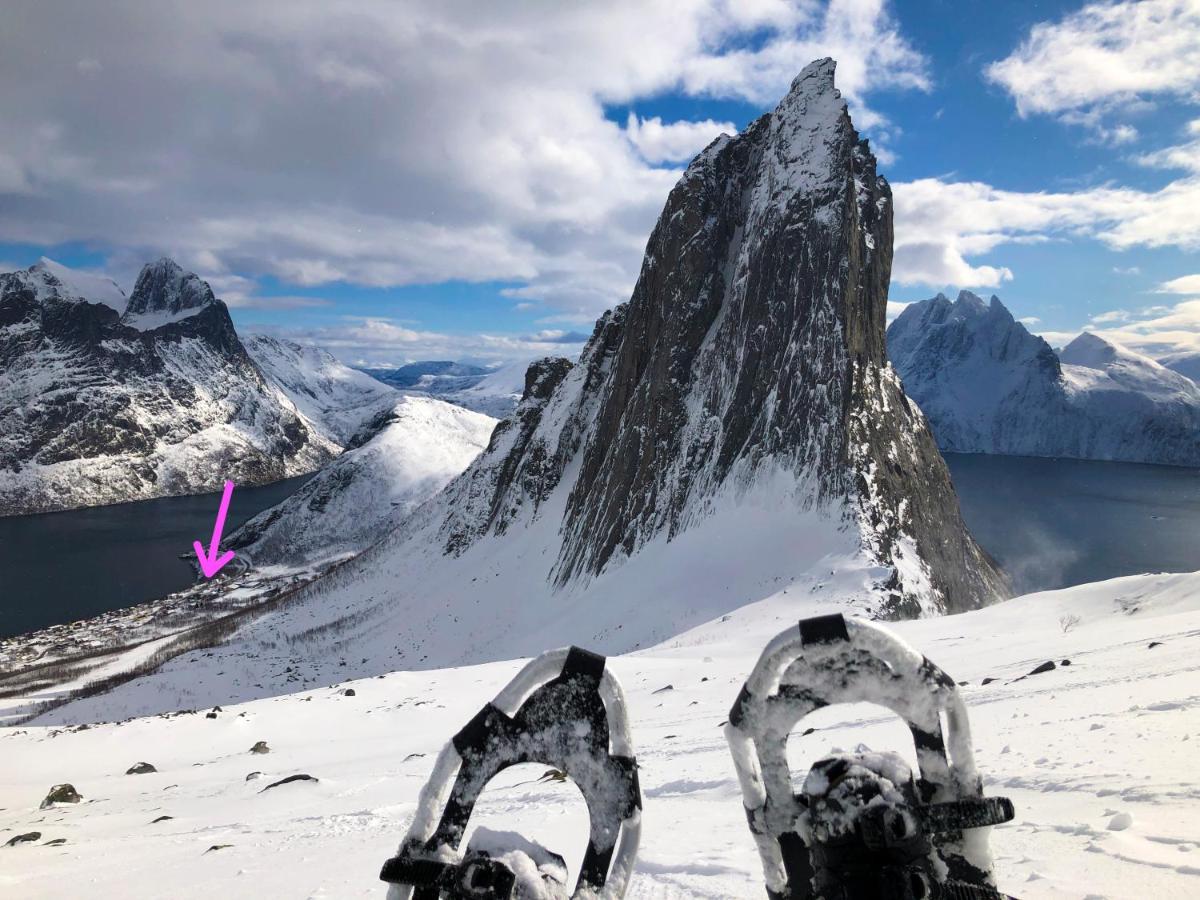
{"points": [[337, 399], [1185, 362], [432, 375], [404, 456], [989, 386], [105, 399], [494, 392], [732, 431]]}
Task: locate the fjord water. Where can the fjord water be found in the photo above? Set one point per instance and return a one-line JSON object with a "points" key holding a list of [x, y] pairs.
{"points": [[1058, 522], [62, 566], [1049, 522]]}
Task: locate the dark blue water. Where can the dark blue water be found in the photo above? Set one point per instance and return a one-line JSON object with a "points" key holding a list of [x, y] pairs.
{"points": [[1057, 522], [59, 567], [1050, 523]]}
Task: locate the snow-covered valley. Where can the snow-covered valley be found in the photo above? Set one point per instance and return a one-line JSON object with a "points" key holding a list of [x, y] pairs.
{"points": [[1092, 754]]}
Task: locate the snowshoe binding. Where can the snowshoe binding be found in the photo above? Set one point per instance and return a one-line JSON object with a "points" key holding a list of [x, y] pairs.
{"points": [[564, 710], [862, 827]]}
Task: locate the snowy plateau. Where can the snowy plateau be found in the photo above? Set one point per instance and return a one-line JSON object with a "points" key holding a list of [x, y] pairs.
{"points": [[731, 453], [989, 386]]}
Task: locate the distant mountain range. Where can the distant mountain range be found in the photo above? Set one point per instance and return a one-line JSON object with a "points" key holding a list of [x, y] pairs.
{"points": [[492, 391], [988, 385], [423, 375]]}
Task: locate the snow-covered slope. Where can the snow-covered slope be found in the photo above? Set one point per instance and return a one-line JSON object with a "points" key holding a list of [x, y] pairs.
{"points": [[337, 399], [1094, 755], [99, 405], [989, 386], [1185, 362], [403, 457], [73, 283]]}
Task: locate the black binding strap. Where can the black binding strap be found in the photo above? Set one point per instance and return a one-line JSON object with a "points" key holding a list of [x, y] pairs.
{"points": [[823, 630]]}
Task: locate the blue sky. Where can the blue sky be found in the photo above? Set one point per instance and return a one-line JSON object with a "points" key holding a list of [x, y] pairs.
{"points": [[428, 180]]}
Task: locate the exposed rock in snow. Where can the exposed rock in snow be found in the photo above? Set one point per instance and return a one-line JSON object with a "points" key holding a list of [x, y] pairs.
{"points": [[989, 386], [100, 407], [403, 457], [337, 399]]}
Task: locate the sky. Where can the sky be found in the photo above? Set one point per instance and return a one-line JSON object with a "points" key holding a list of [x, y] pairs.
{"points": [[430, 179]]}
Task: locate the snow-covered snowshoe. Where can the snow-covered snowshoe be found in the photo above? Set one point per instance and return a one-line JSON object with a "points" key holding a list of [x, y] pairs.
{"points": [[564, 710], [862, 827]]}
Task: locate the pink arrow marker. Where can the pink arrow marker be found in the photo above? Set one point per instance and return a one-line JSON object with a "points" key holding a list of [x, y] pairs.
{"points": [[210, 563]]}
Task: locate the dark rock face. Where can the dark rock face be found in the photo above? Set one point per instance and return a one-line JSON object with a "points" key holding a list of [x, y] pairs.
{"points": [[142, 768], [530, 467], [100, 407], [163, 287], [61, 793], [753, 345]]}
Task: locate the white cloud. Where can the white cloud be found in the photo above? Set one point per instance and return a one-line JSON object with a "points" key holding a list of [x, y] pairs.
{"points": [[941, 224], [382, 341], [1170, 334], [1185, 284], [392, 144], [1106, 58], [1128, 270], [1183, 156], [673, 142], [1159, 332], [1030, 321], [894, 308]]}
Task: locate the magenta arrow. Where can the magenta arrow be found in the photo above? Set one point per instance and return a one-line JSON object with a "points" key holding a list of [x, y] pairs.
{"points": [[210, 562]]}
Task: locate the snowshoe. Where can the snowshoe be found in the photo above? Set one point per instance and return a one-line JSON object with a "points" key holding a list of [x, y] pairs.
{"points": [[564, 710], [862, 827]]}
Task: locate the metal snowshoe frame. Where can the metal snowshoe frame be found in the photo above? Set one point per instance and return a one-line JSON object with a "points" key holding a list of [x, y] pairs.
{"points": [[836, 659], [566, 710]]}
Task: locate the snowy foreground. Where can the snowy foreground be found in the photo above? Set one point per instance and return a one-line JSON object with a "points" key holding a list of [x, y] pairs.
{"points": [[1095, 756]]}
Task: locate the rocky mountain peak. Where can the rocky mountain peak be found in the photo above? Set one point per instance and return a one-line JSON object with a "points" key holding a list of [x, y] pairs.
{"points": [[970, 302], [165, 288], [1089, 350], [752, 351]]}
